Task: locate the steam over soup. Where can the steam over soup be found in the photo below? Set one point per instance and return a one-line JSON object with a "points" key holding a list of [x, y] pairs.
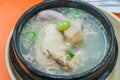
{"points": [[63, 41]]}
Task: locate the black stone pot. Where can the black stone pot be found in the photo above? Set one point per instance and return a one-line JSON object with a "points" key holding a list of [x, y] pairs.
{"points": [[28, 72]]}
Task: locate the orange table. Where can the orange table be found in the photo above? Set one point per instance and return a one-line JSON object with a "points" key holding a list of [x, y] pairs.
{"points": [[10, 11]]}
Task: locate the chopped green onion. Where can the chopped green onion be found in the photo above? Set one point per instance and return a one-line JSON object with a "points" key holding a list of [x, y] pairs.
{"points": [[31, 35], [63, 25], [68, 52]]}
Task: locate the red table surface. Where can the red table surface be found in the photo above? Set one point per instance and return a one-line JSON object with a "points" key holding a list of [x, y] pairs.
{"points": [[10, 11]]}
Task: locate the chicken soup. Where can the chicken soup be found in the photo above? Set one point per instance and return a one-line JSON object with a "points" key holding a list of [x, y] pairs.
{"points": [[63, 41]]}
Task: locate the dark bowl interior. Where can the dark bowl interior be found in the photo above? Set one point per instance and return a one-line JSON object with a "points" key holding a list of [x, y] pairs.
{"points": [[64, 3]]}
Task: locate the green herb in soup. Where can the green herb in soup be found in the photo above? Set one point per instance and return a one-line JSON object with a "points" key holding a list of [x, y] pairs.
{"points": [[63, 25], [68, 52], [72, 13], [31, 36], [63, 41]]}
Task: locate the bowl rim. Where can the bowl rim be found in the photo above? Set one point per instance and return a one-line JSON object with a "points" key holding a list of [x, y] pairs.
{"points": [[83, 74]]}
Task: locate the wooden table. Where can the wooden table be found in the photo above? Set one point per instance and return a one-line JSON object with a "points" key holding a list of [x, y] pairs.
{"points": [[10, 11]]}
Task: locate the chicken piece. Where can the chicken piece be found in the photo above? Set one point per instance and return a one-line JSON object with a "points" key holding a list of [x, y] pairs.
{"points": [[54, 48], [53, 41], [50, 15], [74, 34], [43, 61], [46, 64], [69, 65]]}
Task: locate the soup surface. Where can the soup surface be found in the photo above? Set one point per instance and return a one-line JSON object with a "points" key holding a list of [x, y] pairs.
{"points": [[63, 41]]}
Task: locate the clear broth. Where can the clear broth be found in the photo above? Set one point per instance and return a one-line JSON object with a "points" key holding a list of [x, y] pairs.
{"points": [[92, 51]]}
